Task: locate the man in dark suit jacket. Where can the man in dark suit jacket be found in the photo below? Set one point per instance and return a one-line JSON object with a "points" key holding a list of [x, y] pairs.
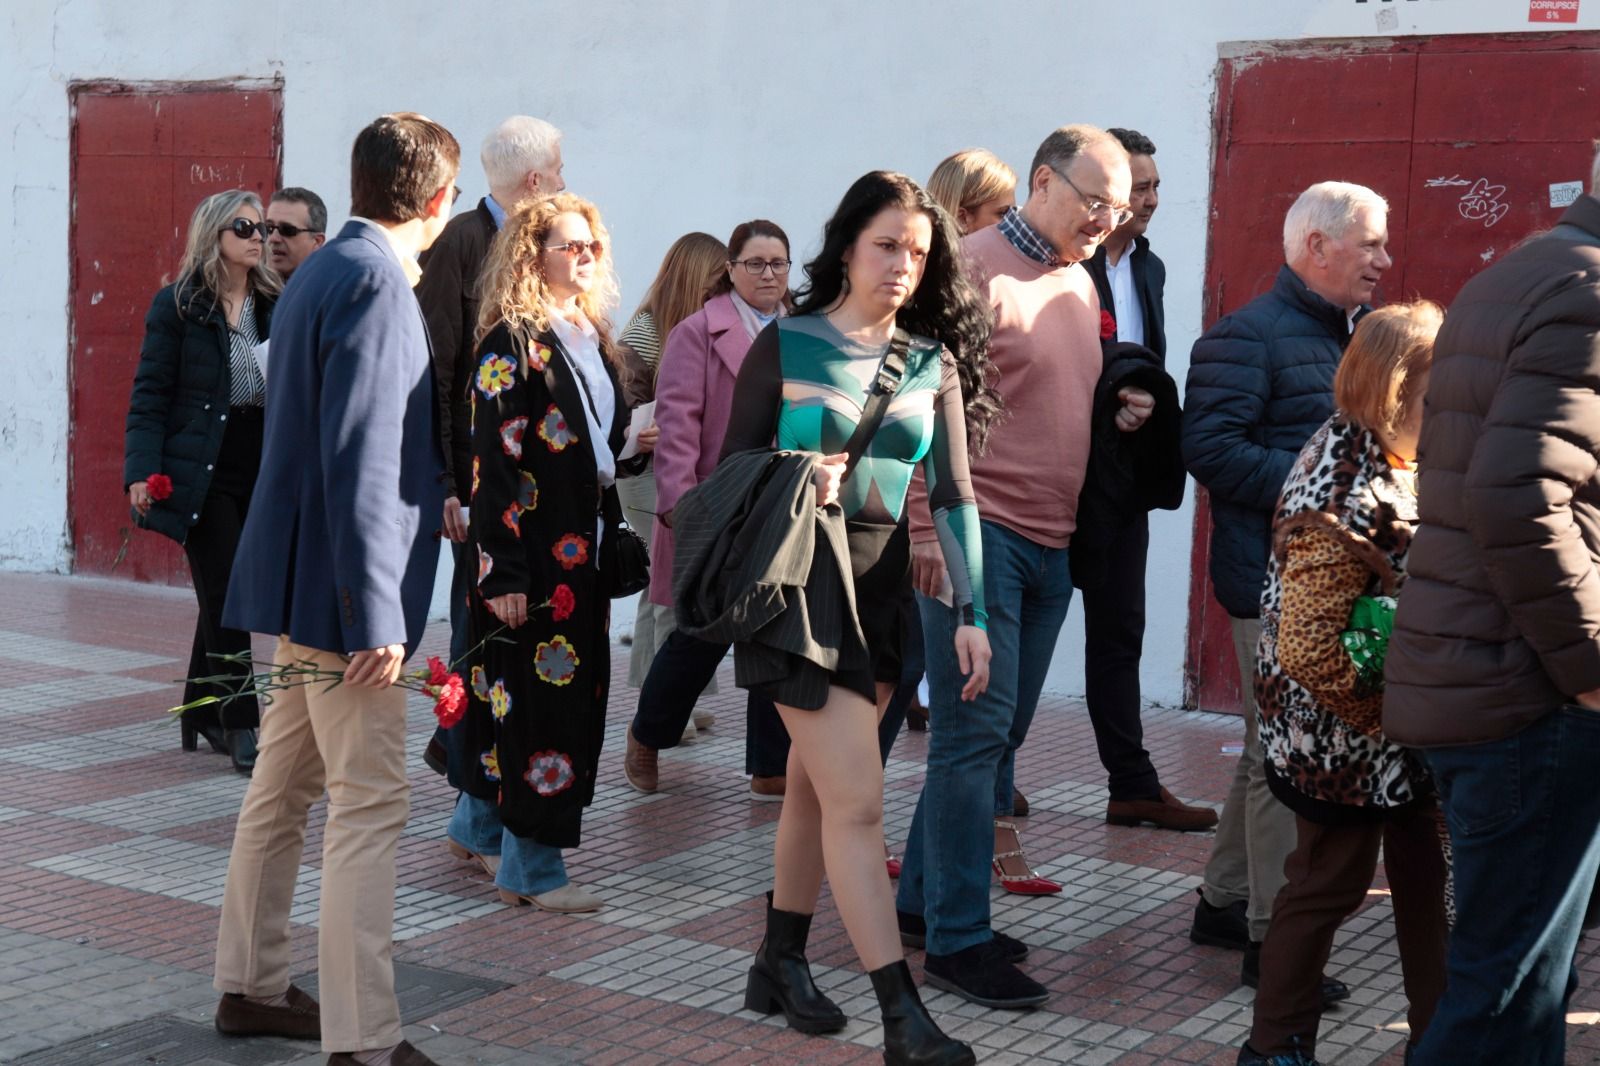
{"points": [[1130, 279], [522, 161], [338, 561]]}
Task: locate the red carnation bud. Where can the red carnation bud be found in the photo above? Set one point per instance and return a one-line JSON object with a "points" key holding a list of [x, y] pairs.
{"points": [[1108, 326], [450, 701], [159, 486], [562, 603]]}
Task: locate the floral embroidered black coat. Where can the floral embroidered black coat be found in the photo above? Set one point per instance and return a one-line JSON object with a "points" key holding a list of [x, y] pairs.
{"points": [[537, 694]]}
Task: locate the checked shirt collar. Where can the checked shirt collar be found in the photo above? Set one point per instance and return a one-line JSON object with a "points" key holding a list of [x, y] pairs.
{"points": [[1027, 240]]}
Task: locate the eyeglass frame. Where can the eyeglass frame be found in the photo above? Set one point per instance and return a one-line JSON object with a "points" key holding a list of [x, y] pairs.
{"points": [[1119, 215], [285, 227], [258, 228], [757, 267], [596, 248]]}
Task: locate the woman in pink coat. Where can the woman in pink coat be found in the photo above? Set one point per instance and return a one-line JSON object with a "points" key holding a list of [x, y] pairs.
{"points": [[694, 396]]}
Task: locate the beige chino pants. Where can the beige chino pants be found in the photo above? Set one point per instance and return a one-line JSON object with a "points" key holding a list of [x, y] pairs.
{"points": [[351, 740], [1255, 832]]}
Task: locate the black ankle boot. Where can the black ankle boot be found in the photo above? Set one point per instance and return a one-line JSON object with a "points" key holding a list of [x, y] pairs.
{"points": [[910, 1036], [241, 744], [780, 979]]}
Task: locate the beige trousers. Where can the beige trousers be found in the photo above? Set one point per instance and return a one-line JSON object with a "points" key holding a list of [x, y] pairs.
{"points": [[353, 741], [1255, 832]]}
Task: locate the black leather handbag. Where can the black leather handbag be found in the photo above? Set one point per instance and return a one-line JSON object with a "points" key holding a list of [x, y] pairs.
{"points": [[624, 559]]}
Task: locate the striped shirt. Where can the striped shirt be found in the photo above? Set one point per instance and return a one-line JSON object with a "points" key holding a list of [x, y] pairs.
{"points": [[247, 388]]}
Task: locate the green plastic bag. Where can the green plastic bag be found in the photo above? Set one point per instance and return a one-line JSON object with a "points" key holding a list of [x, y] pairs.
{"points": [[1367, 638]]}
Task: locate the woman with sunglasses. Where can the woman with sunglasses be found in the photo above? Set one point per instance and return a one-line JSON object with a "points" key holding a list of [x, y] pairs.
{"points": [[694, 400], [889, 276], [548, 420], [193, 440]]}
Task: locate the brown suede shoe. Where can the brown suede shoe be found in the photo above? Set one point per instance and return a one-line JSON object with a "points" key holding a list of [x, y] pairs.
{"points": [[1019, 804], [1165, 813], [403, 1055], [301, 1019], [641, 766], [768, 789]]}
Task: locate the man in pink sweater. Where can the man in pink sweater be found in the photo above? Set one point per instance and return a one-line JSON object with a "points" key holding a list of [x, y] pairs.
{"points": [[1046, 345]]}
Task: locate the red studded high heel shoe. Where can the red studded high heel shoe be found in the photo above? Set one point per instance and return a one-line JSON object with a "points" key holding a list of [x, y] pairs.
{"points": [[1026, 883]]}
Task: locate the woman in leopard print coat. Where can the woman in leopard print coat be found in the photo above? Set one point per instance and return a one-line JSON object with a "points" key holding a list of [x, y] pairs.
{"points": [[1341, 531]]}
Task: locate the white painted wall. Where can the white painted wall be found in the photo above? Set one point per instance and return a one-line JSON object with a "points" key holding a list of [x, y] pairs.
{"points": [[679, 116]]}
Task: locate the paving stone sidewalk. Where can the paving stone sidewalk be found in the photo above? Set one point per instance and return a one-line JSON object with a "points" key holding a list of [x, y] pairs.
{"points": [[114, 847]]}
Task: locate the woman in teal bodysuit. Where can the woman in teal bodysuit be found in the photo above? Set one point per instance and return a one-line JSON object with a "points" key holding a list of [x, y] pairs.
{"points": [[889, 259]]}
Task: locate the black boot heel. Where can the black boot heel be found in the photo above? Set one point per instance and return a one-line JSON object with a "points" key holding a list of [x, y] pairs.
{"points": [[780, 978], [910, 1035], [760, 995], [191, 737]]}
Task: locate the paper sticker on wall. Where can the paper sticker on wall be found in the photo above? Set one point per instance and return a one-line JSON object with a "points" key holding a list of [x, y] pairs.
{"points": [[1552, 10], [1565, 193]]}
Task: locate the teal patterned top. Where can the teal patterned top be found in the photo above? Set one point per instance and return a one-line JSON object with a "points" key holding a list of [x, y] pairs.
{"points": [[802, 388]]}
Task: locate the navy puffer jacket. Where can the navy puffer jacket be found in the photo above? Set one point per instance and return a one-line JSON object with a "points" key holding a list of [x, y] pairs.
{"points": [[1260, 383], [178, 410]]}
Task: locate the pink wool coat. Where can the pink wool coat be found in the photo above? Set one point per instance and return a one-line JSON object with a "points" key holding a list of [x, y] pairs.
{"points": [[694, 396]]}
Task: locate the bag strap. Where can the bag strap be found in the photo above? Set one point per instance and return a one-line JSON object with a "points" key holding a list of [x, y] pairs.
{"points": [[887, 382]]}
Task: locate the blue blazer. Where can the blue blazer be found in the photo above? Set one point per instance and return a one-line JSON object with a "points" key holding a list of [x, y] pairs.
{"points": [[341, 544]]}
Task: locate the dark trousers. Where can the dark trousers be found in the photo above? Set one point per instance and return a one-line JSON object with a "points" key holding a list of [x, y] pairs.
{"points": [[1524, 817], [1113, 622], [678, 674], [210, 547], [1329, 873], [911, 668]]}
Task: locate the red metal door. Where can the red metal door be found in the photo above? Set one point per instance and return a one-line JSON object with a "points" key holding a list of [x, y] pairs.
{"points": [[1459, 134], [142, 158]]}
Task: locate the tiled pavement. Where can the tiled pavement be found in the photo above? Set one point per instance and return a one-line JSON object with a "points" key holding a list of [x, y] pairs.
{"points": [[113, 849]]}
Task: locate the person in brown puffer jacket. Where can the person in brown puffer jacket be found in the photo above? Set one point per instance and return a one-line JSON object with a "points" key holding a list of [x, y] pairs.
{"points": [[1493, 668]]}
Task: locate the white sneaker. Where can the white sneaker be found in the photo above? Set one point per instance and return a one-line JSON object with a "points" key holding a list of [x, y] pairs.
{"points": [[689, 733]]}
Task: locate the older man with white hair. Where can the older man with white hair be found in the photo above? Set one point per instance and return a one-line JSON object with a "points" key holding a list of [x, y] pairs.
{"points": [[521, 159], [1260, 383]]}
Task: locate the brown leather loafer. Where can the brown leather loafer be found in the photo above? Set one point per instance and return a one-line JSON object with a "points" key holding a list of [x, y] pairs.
{"points": [[640, 766], [1165, 813], [301, 1019], [404, 1055]]}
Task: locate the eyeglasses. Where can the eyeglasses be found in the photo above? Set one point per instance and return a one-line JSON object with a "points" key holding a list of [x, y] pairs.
{"points": [[289, 230], [244, 229], [455, 194], [1118, 215], [758, 267], [577, 248]]}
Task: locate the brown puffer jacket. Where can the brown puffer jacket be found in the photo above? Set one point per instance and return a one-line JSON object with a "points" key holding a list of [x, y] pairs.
{"points": [[1500, 621]]}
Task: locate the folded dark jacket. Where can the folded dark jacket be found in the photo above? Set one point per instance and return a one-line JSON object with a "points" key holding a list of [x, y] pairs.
{"points": [[759, 565]]}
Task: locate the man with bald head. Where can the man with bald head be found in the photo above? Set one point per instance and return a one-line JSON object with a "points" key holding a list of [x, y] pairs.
{"points": [[1046, 346]]}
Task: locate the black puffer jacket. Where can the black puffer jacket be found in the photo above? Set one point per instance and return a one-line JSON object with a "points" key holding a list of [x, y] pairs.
{"points": [[1260, 383], [177, 413]]}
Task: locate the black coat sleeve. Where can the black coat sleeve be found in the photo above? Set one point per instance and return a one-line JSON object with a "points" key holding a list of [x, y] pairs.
{"points": [[154, 383]]}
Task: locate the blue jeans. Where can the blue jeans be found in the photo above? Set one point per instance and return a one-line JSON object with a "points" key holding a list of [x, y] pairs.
{"points": [[526, 868], [1524, 819], [972, 746]]}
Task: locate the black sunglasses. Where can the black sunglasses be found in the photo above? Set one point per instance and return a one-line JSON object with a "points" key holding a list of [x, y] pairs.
{"points": [[289, 230], [242, 228]]}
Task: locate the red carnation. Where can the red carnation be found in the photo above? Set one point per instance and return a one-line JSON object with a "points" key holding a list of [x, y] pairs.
{"points": [[450, 700], [159, 486], [1108, 326], [562, 603], [438, 672]]}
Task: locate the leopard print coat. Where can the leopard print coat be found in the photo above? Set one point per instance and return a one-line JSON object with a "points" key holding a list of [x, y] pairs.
{"points": [[1341, 530]]}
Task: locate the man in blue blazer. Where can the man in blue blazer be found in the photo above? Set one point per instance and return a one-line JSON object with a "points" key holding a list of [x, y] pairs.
{"points": [[337, 560]]}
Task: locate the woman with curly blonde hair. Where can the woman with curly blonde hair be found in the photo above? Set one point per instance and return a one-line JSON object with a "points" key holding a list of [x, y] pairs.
{"points": [[548, 419]]}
